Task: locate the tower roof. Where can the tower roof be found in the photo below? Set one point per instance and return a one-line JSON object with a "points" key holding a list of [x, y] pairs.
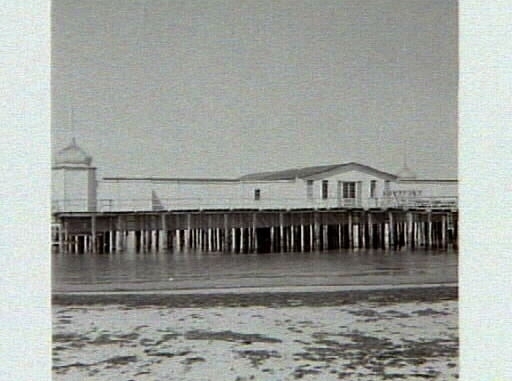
{"points": [[73, 155], [406, 173]]}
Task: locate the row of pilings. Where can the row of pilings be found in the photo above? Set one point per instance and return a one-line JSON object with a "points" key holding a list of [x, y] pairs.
{"points": [[255, 231]]}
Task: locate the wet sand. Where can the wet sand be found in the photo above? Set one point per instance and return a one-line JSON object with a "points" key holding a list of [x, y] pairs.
{"points": [[382, 334]]}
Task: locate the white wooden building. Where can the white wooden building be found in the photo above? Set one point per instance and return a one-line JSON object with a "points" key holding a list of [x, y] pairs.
{"points": [[352, 185], [74, 185]]}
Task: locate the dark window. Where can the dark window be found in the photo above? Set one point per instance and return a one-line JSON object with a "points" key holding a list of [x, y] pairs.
{"points": [[309, 189], [373, 188], [325, 189], [257, 194], [349, 190], [387, 191]]}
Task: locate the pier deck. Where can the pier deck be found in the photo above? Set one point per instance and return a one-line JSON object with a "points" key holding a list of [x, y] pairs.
{"points": [[255, 230]]}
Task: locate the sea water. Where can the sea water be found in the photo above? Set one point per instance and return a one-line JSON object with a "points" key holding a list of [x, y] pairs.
{"points": [[168, 271]]}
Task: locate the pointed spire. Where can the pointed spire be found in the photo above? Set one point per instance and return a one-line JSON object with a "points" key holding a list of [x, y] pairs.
{"points": [[406, 172], [405, 153], [72, 123]]}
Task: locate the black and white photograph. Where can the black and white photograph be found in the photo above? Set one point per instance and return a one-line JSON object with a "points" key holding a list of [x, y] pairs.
{"points": [[254, 190]]}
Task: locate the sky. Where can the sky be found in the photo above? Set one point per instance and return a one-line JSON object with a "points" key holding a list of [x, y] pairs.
{"points": [[225, 88]]}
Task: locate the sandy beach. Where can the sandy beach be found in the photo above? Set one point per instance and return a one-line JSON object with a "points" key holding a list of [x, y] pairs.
{"points": [[389, 334]]}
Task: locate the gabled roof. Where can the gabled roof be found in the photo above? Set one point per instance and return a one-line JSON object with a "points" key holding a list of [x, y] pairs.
{"points": [[316, 172]]}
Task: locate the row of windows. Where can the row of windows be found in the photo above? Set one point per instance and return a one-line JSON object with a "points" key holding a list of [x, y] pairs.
{"points": [[349, 189]]}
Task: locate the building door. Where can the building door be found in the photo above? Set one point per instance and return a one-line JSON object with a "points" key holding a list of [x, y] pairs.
{"points": [[349, 193]]}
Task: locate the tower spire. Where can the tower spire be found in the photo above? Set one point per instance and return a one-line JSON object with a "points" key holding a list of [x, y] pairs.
{"points": [[72, 123], [405, 153]]}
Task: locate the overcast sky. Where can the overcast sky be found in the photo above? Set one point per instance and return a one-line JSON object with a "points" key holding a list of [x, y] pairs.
{"points": [[224, 88]]}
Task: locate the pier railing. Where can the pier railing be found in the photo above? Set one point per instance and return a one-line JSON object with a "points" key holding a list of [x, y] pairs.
{"points": [[196, 203]]}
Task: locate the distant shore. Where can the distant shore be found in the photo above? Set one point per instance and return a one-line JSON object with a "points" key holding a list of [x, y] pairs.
{"points": [[212, 298]]}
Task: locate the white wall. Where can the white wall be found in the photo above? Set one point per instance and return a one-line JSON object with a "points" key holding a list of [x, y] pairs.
{"points": [[57, 188], [429, 189], [273, 194], [425, 193], [174, 195], [362, 198], [73, 189]]}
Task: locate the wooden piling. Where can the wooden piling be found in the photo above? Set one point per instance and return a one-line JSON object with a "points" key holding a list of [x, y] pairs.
{"points": [[430, 235], [253, 233], [444, 231], [272, 239], [302, 237], [93, 232], [316, 231], [163, 233], [391, 231], [350, 231]]}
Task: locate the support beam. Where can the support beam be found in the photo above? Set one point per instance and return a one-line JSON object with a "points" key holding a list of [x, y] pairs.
{"points": [[350, 231], [119, 234], [93, 232], [254, 233], [225, 233], [444, 231], [281, 231], [391, 232], [302, 237], [272, 239], [162, 245], [316, 233]]}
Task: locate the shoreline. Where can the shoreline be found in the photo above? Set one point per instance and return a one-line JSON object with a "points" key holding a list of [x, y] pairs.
{"points": [[353, 335], [276, 297]]}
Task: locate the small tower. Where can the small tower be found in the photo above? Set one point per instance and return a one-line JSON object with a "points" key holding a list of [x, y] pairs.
{"points": [[406, 173], [73, 181]]}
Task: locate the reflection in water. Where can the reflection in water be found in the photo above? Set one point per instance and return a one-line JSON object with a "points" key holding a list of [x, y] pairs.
{"points": [[195, 269]]}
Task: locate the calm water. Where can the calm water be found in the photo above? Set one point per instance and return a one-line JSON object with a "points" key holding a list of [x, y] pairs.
{"points": [[195, 269]]}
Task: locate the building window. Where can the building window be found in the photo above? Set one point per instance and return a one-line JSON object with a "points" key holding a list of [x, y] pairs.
{"points": [[257, 194], [349, 190], [373, 188], [309, 189], [387, 190], [325, 189]]}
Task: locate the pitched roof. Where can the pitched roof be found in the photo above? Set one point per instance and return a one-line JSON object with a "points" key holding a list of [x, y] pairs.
{"points": [[313, 172]]}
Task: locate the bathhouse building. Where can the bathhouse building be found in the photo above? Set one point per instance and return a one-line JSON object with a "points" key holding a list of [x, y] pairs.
{"points": [[345, 205], [344, 185]]}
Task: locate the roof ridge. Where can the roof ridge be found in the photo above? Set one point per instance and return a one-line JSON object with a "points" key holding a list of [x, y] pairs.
{"points": [[305, 172]]}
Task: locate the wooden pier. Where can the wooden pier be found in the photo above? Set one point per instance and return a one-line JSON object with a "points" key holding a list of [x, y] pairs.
{"points": [[245, 230]]}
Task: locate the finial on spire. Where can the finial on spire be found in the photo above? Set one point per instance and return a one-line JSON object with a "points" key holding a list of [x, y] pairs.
{"points": [[406, 173], [405, 153], [72, 123], [405, 143]]}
